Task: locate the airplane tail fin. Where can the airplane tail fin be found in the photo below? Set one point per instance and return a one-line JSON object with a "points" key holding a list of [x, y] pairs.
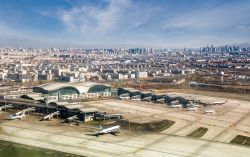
{"points": [[100, 127], [10, 116]]}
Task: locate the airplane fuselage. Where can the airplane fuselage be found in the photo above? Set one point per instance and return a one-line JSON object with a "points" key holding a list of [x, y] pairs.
{"points": [[124, 97], [109, 130], [192, 109], [209, 111], [72, 119], [176, 106], [136, 99], [13, 117]]}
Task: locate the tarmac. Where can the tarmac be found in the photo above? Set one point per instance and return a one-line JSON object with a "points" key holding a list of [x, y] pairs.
{"points": [[231, 119]]}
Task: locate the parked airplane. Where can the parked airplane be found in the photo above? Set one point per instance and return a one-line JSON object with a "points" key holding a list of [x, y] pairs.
{"points": [[176, 106], [5, 107], [192, 104], [136, 98], [20, 117], [71, 119], [124, 96], [112, 130], [50, 116], [191, 108], [160, 100], [107, 116], [219, 102], [209, 111], [149, 98]]}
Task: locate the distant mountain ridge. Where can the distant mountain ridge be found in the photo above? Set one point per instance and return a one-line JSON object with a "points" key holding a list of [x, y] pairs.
{"points": [[243, 45]]}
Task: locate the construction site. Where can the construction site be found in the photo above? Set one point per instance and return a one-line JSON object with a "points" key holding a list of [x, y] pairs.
{"points": [[151, 124]]}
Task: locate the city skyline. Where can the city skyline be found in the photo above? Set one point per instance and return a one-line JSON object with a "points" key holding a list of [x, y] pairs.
{"points": [[123, 23]]}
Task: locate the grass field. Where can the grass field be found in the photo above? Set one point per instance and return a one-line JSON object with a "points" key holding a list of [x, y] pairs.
{"points": [[239, 139], [198, 132]]}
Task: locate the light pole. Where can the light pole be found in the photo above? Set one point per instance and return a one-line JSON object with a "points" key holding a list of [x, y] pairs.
{"points": [[129, 127], [47, 104], [128, 124]]}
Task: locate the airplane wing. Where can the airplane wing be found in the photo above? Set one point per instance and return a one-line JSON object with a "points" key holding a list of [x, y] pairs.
{"points": [[98, 134], [113, 133], [102, 131]]}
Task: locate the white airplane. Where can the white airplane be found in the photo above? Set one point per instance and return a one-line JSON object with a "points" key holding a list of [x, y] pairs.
{"points": [[5, 107], [192, 104], [20, 117], [71, 119], [176, 106], [160, 100], [50, 116], [219, 102], [191, 109], [195, 105], [149, 98], [124, 96], [209, 111], [136, 98], [112, 130]]}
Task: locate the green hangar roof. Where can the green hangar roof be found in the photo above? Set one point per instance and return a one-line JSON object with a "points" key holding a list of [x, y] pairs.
{"points": [[79, 88]]}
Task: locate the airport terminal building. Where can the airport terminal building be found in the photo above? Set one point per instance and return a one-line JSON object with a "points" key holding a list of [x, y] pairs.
{"points": [[76, 91]]}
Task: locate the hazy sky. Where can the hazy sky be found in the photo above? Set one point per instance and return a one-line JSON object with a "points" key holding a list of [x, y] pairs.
{"points": [[165, 23]]}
